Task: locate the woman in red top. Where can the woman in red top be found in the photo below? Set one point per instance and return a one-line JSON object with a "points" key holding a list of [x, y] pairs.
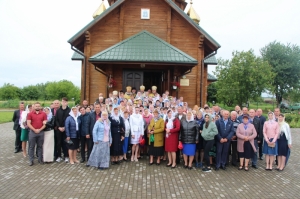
{"points": [[172, 128]]}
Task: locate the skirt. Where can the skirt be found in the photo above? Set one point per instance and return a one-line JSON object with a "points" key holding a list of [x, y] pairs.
{"points": [[48, 146], [248, 151], [136, 139], [100, 155], [189, 149], [125, 144], [24, 135], [282, 145], [270, 150], [156, 151], [75, 146]]}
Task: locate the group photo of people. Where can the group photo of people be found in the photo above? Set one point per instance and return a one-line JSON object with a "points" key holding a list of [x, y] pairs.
{"points": [[128, 126]]}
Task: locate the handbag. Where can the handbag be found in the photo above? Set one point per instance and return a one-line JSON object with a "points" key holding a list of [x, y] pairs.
{"points": [[69, 142], [272, 145], [151, 138], [142, 141], [180, 146]]}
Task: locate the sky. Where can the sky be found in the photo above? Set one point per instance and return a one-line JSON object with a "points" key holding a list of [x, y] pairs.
{"points": [[34, 33]]}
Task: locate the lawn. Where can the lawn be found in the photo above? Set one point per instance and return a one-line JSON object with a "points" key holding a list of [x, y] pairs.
{"points": [[6, 116]]}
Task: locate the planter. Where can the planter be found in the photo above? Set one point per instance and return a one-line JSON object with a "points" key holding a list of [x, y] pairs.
{"points": [[174, 87]]}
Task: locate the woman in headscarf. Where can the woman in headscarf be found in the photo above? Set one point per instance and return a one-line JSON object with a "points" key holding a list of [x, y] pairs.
{"points": [[147, 118], [137, 130], [245, 133], [24, 128], [284, 142], [117, 132], [208, 133], [71, 128], [127, 134], [189, 135], [172, 128], [48, 146], [270, 148], [156, 137], [199, 147], [102, 141]]}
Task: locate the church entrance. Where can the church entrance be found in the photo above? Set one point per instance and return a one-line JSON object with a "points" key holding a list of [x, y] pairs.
{"points": [[135, 78]]}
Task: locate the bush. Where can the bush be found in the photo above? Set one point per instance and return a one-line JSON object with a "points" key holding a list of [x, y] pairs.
{"points": [[288, 118]]}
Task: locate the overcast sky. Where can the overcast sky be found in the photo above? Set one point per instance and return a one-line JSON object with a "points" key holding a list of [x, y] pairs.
{"points": [[34, 33]]}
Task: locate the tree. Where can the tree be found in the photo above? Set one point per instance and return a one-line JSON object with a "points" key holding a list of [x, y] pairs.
{"points": [[9, 91], [63, 88], [242, 78], [212, 92], [285, 63], [30, 93]]}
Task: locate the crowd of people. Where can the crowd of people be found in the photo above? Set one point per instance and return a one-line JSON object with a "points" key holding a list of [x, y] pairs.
{"points": [[127, 126]]}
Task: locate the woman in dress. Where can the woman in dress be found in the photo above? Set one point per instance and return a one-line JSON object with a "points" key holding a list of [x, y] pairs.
{"points": [[71, 128], [199, 147], [208, 134], [102, 141], [147, 118], [189, 135], [48, 146], [270, 148], [172, 128], [137, 130], [156, 137], [284, 142], [117, 127], [24, 128], [127, 134], [245, 134]]}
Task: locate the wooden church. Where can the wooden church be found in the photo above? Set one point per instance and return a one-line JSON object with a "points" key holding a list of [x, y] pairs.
{"points": [[145, 42]]}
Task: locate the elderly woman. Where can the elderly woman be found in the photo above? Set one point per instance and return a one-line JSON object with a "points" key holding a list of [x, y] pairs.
{"points": [[24, 128], [102, 141], [156, 137], [208, 133], [199, 147], [245, 133], [189, 135], [137, 130], [284, 142], [117, 127], [172, 128], [271, 131], [48, 146], [71, 128]]}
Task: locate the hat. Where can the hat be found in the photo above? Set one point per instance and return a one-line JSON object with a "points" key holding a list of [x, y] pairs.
{"points": [[115, 92], [154, 88], [142, 88], [128, 88], [245, 116]]}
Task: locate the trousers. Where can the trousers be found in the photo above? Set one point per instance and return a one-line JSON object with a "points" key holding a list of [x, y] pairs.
{"points": [[222, 153], [207, 145], [38, 141]]}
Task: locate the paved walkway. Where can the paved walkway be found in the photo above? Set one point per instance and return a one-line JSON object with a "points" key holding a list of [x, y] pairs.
{"points": [[137, 180]]}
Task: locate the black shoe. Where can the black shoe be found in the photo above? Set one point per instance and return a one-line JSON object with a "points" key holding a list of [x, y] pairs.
{"points": [[217, 168], [113, 163], [87, 165], [223, 167], [190, 168], [16, 151], [174, 167], [185, 166], [150, 163], [30, 163], [82, 161], [261, 158], [41, 162], [157, 164], [168, 165], [206, 169], [254, 166]]}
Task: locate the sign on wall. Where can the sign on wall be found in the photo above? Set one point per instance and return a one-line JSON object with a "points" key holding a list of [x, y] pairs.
{"points": [[145, 13], [184, 82]]}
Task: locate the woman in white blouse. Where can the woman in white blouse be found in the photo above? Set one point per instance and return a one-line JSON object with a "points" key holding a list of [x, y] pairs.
{"points": [[137, 130]]}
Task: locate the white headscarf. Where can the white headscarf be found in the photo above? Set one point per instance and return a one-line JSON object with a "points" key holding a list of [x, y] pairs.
{"points": [[115, 117], [274, 119], [49, 116], [75, 117], [169, 125]]}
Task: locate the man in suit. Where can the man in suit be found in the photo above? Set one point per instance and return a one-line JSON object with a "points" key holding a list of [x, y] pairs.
{"points": [[262, 119], [17, 121], [180, 116], [225, 132], [56, 105], [93, 117]]}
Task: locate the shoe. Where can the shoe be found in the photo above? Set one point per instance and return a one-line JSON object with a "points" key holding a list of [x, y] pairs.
{"points": [[206, 169], [113, 163], [100, 168], [150, 163], [240, 168], [87, 165], [261, 158], [157, 164], [217, 168], [190, 168], [185, 166], [41, 162], [200, 165], [136, 160], [67, 160], [16, 150], [82, 161], [246, 169], [223, 167], [280, 170], [173, 167], [59, 159], [76, 161], [168, 165], [254, 166], [125, 160], [30, 163], [196, 164]]}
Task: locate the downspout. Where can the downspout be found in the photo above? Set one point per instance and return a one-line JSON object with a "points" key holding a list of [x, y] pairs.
{"points": [[202, 75], [84, 64]]}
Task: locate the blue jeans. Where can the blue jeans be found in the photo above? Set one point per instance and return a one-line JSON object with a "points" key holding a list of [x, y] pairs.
{"points": [[254, 159], [222, 153]]}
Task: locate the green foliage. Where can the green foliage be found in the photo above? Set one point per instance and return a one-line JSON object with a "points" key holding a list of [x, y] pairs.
{"points": [[288, 118], [285, 63], [242, 78], [9, 91], [212, 93], [30, 93], [10, 104], [64, 88]]}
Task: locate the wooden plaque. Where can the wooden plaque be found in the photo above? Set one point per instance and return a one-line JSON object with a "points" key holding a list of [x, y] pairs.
{"points": [[184, 82]]}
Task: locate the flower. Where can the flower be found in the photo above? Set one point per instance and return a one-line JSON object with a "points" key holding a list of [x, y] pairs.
{"points": [[111, 82], [176, 84]]}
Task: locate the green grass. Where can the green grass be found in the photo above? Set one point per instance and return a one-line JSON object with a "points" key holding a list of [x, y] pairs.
{"points": [[14, 104], [6, 116]]}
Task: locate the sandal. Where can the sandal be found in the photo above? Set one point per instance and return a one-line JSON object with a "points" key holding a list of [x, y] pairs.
{"points": [[246, 169], [241, 167]]}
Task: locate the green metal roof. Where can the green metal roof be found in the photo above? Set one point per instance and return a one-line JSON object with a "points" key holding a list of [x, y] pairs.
{"points": [[210, 77], [211, 60], [77, 56], [144, 47]]}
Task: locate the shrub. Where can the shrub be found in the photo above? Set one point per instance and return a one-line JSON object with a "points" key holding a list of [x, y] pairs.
{"points": [[288, 118]]}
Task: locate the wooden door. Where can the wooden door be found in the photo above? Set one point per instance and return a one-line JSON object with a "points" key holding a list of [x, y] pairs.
{"points": [[133, 79]]}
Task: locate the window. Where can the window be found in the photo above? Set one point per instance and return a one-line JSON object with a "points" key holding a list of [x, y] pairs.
{"points": [[145, 13]]}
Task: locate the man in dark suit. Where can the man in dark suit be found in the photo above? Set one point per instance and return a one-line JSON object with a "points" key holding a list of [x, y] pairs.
{"points": [[225, 132], [262, 121], [93, 117], [56, 105], [16, 119], [180, 116]]}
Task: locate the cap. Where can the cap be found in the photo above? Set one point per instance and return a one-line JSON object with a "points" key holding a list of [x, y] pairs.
{"points": [[142, 88]]}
